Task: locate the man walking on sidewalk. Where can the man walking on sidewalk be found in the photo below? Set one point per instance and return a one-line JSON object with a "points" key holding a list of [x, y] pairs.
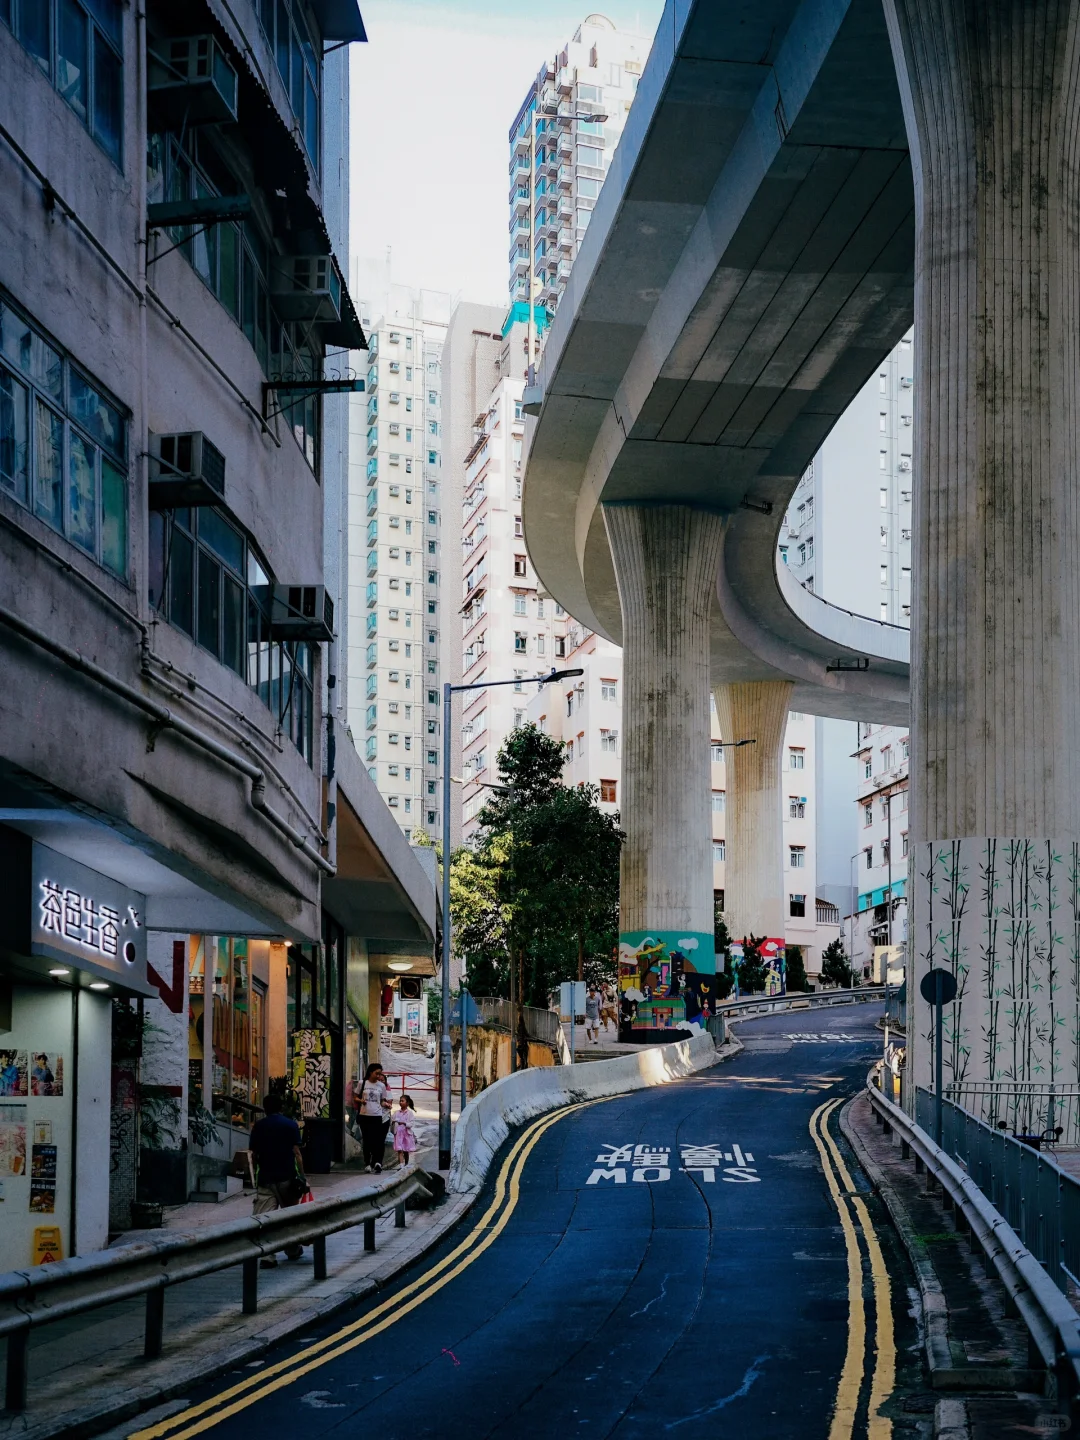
{"points": [[279, 1168]]}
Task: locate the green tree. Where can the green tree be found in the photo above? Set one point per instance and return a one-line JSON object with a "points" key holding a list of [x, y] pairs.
{"points": [[796, 970], [835, 969], [752, 967], [540, 889]]}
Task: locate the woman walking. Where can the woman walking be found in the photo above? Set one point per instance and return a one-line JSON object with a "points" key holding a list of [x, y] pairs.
{"points": [[374, 1115]]}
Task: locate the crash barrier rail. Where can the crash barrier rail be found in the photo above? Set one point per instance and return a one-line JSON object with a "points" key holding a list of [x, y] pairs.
{"points": [[486, 1121], [812, 1000], [1049, 1114], [1038, 1199], [39, 1296], [896, 1008], [1052, 1323]]}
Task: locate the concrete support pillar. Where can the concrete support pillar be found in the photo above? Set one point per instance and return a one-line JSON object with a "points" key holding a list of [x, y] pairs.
{"points": [[666, 558], [991, 92], [754, 828]]}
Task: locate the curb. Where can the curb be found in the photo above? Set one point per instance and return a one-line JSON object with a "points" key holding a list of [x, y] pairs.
{"points": [[138, 1398]]}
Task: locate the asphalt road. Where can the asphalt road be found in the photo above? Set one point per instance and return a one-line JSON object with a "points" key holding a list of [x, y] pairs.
{"points": [[687, 1260]]}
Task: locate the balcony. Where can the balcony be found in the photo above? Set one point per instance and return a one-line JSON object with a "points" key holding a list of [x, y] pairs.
{"points": [[372, 564], [565, 177], [372, 654], [372, 597], [566, 239]]}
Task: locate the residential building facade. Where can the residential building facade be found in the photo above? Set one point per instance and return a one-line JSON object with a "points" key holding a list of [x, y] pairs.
{"points": [[564, 135], [172, 307], [395, 556]]}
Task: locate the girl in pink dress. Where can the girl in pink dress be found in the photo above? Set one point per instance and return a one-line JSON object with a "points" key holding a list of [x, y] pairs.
{"points": [[404, 1134]]}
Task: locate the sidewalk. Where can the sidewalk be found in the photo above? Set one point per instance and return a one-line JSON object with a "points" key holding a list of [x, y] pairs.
{"points": [[87, 1373], [976, 1351]]}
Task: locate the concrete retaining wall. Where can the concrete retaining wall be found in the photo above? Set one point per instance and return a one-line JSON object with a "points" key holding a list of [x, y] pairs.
{"points": [[516, 1098]]}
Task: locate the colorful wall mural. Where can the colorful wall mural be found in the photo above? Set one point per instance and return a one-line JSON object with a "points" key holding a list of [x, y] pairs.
{"points": [[667, 979]]}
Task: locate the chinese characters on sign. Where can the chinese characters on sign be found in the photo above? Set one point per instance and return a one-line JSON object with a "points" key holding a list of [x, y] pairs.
{"points": [[651, 1164], [66, 913]]}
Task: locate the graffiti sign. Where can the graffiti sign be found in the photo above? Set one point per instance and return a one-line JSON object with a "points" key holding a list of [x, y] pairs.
{"points": [[311, 1072]]}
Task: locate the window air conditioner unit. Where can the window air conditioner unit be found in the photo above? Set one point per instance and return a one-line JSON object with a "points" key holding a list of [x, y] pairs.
{"points": [[185, 469], [192, 82], [306, 287], [302, 612], [905, 465]]}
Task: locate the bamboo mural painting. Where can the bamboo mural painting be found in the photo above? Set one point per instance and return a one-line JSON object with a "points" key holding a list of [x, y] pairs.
{"points": [[1003, 916]]}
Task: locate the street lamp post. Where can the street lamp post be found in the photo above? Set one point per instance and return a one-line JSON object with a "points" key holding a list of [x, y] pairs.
{"points": [[445, 1051]]}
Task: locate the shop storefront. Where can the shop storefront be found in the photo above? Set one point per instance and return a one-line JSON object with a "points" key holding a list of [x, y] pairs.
{"points": [[73, 943]]}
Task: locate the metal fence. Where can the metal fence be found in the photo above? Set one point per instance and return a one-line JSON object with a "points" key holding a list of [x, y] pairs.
{"points": [[540, 1025], [1037, 1198], [1039, 1111], [896, 1008]]}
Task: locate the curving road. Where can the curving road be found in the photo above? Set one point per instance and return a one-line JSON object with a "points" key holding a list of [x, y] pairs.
{"points": [[687, 1260]]}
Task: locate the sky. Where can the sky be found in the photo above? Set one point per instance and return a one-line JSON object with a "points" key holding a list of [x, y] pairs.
{"points": [[434, 92]]}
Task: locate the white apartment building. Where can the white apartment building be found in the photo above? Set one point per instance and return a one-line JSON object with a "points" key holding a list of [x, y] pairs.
{"points": [[584, 714], [847, 537], [595, 75], [509, 627], [395, 554]]}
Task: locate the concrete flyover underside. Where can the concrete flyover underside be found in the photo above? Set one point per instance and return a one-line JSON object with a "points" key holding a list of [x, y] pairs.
{"points": [[748, 265]]}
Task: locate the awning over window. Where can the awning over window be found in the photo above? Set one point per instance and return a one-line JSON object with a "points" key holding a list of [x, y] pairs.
{"points": [[339, 19]]}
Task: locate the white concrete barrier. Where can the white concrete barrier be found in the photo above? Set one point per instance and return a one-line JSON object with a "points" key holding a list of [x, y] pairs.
{"points": [[516, 1098]]}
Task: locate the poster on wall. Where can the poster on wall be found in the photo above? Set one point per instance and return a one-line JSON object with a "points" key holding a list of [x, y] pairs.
{"points": [[311, 1073], [13, 1072], [412, 1017], [46, 1074], [12, 1139], [43, 1179]]}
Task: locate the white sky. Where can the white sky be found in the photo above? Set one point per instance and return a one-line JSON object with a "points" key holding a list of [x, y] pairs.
{"points": [[433, 95]]}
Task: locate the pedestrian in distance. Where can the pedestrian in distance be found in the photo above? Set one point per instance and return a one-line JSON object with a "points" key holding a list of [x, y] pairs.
{"points": [[608, 1013], [404, 1133], [279, 1168], [374, 1116], [592, 1016]]}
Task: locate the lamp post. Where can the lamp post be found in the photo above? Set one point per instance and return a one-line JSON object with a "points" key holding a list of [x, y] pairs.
{"points": [[445, 1053]]}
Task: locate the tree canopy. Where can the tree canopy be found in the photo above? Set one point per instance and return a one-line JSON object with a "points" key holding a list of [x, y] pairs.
{"points": [[542, 882]]}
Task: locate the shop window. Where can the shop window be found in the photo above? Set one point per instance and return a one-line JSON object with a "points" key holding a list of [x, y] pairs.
{"points": [[63, 443], [220, 975]]}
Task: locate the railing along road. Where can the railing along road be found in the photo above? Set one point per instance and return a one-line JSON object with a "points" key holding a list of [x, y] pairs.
{"points": [[29, 1298]]}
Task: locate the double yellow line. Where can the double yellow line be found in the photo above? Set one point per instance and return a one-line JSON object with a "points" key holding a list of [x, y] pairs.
{"points": [[208, 1413], [879, 1427]]}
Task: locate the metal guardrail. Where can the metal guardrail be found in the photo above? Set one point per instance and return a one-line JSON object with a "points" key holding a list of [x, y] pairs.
{"points": [[39, 1296], [1039, 1111], [1038, 1199], [1051, 1321], [540, 1025], [813, 1000]]}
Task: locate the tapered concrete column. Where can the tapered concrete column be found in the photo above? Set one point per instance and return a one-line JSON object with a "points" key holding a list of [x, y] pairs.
{"points": [[754, 828], [991, 90], [666, 558]]}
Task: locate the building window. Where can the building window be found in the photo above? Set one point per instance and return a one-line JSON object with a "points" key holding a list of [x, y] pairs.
{"points": [[797, 906], [206, 580], [717, 753], [609, 742], [797, 759], [608, 791], [886, 850], [868, 814], [521, 643], [719, 802], [519, 565], [80, 48], [796, 807], [519, 604], [63, 444], [868, 767], [298, 65], [797, 857], [609, 690], [886, 758], [719, 851], [541, 644], [903, 842], [869, 856]]}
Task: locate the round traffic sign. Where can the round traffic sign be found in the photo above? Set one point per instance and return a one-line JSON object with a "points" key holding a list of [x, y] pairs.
{"points": [[928, 986]]}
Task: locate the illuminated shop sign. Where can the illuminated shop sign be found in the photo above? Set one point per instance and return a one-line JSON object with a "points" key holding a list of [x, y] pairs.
{"points": [[79, 914]]}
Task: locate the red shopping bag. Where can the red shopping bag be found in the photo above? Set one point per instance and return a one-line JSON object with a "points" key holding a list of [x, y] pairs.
{"points": [[306, 1198]]}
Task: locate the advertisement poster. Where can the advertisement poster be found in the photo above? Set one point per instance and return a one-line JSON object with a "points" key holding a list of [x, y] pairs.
{"points": [[311, 1073], [46, 1074], [13, 1072], [412, 1017], [43, 1179], [12, 1139]]}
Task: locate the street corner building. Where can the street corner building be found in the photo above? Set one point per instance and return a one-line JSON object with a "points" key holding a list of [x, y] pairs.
{"points": [[200, 884]]}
